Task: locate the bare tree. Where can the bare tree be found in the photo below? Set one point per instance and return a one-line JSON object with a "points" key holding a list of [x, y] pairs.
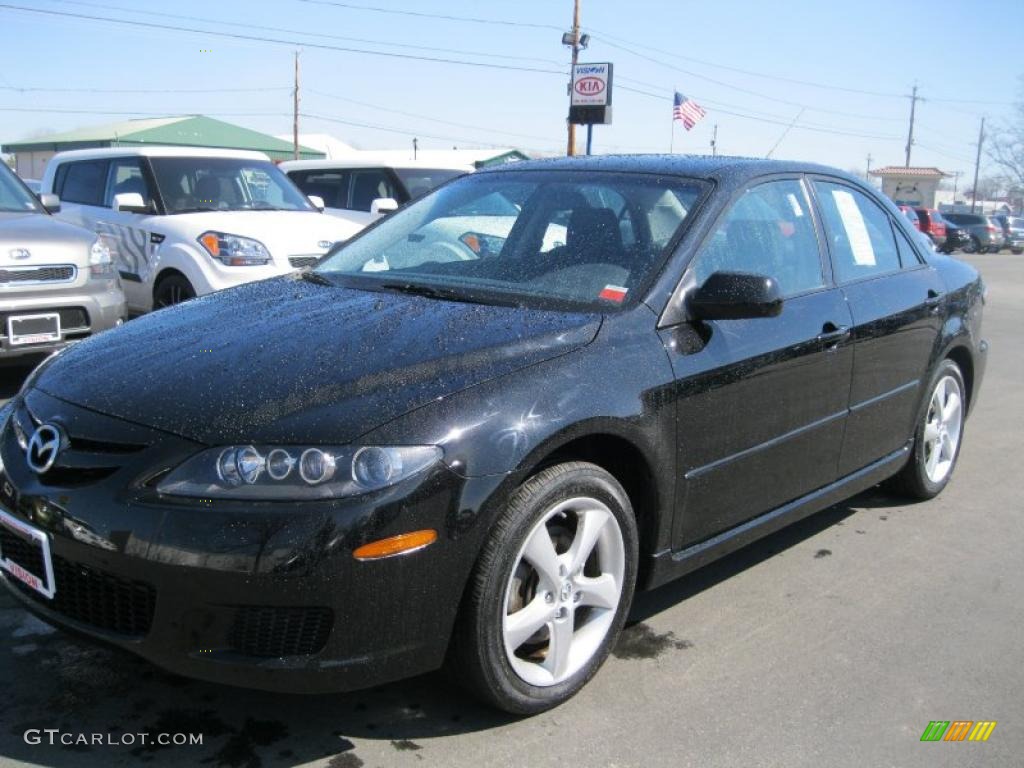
{"points": [[1006, 147]]}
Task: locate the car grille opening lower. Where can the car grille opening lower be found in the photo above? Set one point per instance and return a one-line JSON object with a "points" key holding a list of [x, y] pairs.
{"points": [[86, 595], [71, 318], [274, 632]]}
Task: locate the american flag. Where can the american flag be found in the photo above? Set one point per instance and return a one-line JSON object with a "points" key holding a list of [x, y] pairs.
{"points": [[686, 110]]}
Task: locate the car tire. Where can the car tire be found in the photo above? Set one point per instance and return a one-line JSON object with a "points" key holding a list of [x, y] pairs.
{"points": [[1017, 251], [973, 246], [172, 289], [533, 567], [938, 435]]}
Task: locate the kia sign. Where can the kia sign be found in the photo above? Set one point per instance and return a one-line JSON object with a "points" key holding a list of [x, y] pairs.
{"points": [[592, 85]]}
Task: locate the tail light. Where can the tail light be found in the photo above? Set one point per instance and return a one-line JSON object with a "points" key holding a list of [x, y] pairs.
{"points": [[992, 230]]}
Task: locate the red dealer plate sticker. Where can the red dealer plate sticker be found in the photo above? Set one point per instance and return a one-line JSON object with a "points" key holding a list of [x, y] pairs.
{"points": [[614, 293], [37, 541]]}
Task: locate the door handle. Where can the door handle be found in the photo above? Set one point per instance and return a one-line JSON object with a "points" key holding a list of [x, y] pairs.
{"points": [[831, 334]]}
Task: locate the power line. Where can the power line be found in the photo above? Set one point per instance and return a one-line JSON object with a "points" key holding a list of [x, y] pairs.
{"points": [[801, 126], [37, 89], [425, 117], [322, 35], [279, 40], [441, 16], [59, 110]]}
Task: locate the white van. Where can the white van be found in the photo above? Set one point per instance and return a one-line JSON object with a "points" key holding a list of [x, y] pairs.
{"points": [[361, 189], [186, 221]]}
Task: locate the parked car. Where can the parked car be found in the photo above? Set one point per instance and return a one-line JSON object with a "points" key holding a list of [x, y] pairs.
{"points": [[912, 217], [185, 221], [360, 190], [1013, 232], [933, 225], [985, 236], [57, 281], [355, 474], [957, 238]]}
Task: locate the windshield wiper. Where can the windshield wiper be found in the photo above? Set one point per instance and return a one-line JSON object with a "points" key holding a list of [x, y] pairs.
{"points": [[315, 277], [447, 294], [197, 209]]}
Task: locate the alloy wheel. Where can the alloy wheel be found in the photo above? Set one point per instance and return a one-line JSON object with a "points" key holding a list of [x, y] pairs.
{"points": [[562, 596], [943, 425]]}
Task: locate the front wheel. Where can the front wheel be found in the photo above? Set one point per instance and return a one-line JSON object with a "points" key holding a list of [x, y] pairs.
{"points": [[972, 246], [937, 437], [550, 592], [171, 290]]}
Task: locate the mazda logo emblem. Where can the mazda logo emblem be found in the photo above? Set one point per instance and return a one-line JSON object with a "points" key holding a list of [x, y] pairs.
{"points": [[43, 447]]}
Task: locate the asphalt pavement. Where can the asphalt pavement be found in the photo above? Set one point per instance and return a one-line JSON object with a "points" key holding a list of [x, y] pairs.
{"points": [[831, 643]]}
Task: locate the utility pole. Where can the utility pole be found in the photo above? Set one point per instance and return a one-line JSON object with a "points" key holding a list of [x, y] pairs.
{"points": [[910, 136], [977, 165], [714, 140], [571, 145], [867, 171], [956, 178], [295, 111]]}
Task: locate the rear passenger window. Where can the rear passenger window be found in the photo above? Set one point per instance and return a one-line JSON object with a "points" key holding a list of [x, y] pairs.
{"points": [[84, 182], [859, 232], [908, 254]]}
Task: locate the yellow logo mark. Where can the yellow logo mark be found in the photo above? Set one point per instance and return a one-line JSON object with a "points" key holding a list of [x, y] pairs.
{"points": [[982, 730]]}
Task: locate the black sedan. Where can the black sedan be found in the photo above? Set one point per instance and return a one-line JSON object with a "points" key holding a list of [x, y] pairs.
{"points": [[472, 432]]}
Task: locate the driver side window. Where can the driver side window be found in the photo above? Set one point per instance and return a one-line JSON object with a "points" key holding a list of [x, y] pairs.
{"points": [[768, 231]]}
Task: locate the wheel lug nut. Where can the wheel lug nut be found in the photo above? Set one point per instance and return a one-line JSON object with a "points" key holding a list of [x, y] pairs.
{"points": [[562, 570], [549, 597], [577, 597]]}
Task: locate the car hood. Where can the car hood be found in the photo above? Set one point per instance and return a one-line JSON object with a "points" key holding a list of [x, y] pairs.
{"points": [[284, 233], [45, 237], [288, 360]]}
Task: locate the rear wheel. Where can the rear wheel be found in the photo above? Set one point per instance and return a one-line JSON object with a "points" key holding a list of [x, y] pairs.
{"points": [[1017, 251], [937, 438], [172, 289], [550, 592], [973, 246]]}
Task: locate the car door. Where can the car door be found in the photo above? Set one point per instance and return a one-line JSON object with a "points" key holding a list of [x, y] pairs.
{"points": [[761, 403], [126, 233], [896, 303]]}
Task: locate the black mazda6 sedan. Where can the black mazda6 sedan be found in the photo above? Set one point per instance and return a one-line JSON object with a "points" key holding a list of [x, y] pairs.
{"points": [[470, 433]]}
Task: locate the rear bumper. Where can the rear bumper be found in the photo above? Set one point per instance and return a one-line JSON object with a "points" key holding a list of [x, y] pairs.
{"points": [[88, 310]]}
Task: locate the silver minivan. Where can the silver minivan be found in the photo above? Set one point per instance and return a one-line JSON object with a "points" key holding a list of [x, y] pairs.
{"points": [[58, 282]]}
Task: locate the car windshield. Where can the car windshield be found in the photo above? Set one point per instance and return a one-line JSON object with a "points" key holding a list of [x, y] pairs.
{"points": [[189, 184], [588, 241], [14, 198], [419, 181]]}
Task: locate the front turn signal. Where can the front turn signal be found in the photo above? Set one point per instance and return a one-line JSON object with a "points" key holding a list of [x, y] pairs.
{"points": [[401, 544]]}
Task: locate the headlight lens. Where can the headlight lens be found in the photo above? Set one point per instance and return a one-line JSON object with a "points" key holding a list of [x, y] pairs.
{"points": [[279, 473], [101, 263], [234, 250]]}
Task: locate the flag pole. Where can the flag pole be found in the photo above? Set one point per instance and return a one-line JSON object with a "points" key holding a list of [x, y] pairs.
{"points": [[672, 124]]}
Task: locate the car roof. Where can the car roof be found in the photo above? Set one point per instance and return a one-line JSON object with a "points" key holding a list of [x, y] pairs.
{"points": [[377, 161], [697, 166], [158, 151]]}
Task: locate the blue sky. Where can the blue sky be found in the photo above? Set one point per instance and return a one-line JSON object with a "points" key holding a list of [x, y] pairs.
{"points": [[715, 52]]}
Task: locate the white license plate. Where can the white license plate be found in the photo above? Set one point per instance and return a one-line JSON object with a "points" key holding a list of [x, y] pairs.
{"points": [[33, 329], [37, 541]]}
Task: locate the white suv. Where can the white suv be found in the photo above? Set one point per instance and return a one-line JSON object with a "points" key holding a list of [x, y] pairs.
{"points": [[185, 221], [361, 189]]}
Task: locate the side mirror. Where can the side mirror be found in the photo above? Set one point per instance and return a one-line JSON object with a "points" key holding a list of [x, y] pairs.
{"points": [[50, 202], [736, 295], [130, 202], [318, 202], [382, 206]]}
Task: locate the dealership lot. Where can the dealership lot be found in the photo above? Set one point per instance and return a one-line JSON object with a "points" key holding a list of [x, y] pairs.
{"points": [[834, 642]]}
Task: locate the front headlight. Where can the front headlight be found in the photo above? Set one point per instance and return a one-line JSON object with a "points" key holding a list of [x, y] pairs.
{"points": [[234, 250], [101, 264], [284, 472]]}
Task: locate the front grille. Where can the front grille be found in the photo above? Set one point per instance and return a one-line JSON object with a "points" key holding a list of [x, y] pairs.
{"points": [[71, 318], [64, 273], [269, 632], [303, 261], [91, 596]]}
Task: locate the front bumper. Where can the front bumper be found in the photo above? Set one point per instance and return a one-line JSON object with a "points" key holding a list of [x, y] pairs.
{"points": [[260, 595], [85, 310]]}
